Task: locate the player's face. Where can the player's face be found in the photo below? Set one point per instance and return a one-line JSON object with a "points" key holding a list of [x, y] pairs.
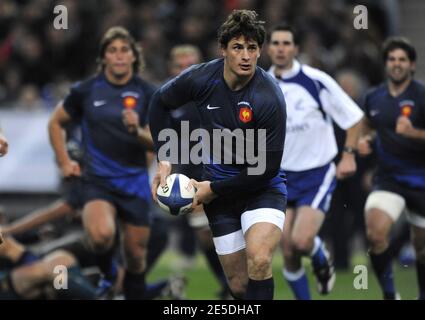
{"points": [[398, 66], [282, 49], [119, 59], [182, 62], [241, 56]]}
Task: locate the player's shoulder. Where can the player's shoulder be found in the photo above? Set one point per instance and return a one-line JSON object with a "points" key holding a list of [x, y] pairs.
{"points": [[266, 87], [84, 86], [377, 92], [202, 71], [317, 74], [419, 87], [144, 84]]}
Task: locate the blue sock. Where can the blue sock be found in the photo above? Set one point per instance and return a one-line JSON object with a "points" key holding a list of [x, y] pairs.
{"points": [[153, 290], [260, 289], [318, 257], [298, 282], [382, 265]]}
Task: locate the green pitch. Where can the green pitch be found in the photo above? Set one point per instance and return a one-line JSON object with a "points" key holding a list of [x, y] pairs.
{"points": [[202, 284]]}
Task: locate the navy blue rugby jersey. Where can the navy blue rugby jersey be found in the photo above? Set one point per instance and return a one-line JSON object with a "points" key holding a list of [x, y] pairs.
{"points": [[258, 105], [400, 157], [112, 155]]}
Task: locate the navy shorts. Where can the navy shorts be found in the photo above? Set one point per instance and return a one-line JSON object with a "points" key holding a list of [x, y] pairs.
{"points": [[131, 209], [311, 188], [414, 197], [224, 213], [73, 192]]}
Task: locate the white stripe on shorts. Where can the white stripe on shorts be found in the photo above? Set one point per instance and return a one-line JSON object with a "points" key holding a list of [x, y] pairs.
{"points": [[327, 181], [269, 215], [229, 243]]}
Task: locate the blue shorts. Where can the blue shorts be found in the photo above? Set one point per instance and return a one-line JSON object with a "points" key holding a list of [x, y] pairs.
{"points": [[224, 213], [131, 209], [312, 187]]}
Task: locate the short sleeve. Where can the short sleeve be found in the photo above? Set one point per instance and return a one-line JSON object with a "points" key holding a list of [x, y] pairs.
{"points": [[73, 102]]}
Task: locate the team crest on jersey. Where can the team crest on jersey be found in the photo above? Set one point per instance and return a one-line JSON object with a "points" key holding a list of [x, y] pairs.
{"points": [[245, 114], [406, 107], [129, 102]]}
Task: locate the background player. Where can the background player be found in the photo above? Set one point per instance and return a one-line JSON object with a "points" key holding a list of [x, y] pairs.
{"points": [[396, 123], [313, 99], [112, 109]]}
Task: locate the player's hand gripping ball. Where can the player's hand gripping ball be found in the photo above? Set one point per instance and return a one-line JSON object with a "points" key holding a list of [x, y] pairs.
{"points": [[177, 195]]}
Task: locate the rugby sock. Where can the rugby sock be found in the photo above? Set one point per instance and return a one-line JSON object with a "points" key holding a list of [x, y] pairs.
{"points": [[382, 265], [420, 272], [298, 282], [318, 257], [260, 289], [154, 290], [79, 286], [7, 290], [106, 264], [134, 285]]}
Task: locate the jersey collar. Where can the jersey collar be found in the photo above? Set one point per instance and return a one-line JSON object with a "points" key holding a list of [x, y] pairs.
{"points": [[296, 67]]}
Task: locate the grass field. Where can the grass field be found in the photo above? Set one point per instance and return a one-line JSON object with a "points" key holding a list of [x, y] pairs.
{"points": [[202, 285]]}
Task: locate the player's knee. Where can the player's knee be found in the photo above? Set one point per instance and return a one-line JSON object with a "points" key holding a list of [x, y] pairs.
{"points": [[259, 265], [303, 245], [101, 238], [237, 286], [377, 237]]}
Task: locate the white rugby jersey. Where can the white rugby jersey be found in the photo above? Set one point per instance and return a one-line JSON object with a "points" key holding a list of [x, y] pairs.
{"points": [[313, 99]]}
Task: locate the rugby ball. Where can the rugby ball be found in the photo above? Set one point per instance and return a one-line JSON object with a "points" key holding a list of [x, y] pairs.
{"points": [[176, 196]]}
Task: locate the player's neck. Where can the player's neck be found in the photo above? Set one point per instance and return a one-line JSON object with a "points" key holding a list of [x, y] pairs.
{"points": [[235, 82], [118, 81], [396, 89], [279, 71]]}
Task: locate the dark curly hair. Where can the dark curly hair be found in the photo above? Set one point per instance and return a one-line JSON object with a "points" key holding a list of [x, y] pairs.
{"points": [[242, 23], [398, 43]]}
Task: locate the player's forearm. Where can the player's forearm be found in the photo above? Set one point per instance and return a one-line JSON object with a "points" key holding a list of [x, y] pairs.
{"points": [[57, 137], [38, 218], [353, 135], [243, 182], [145, 138], [415, 133], [366, 128]]}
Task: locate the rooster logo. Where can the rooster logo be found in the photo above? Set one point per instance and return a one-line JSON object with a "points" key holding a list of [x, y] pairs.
{"points": [[245, 114], [129, 102], [406, 110]]}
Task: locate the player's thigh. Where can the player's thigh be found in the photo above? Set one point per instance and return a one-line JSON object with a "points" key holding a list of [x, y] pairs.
{"points": [[307, 224], [99, 218], [382, 209], [287, 230]]}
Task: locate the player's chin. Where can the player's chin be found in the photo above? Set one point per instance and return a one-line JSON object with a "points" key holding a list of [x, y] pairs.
{"points": [[243, 72]]}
